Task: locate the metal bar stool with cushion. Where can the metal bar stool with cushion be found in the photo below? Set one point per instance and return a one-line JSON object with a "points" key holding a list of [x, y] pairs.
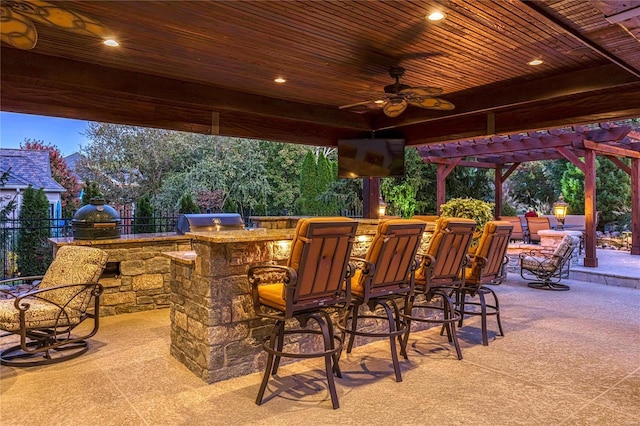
{"points": [[439, 274], [486, 267], [386, 272], [46, 317], [549, 269], [317, 277]]}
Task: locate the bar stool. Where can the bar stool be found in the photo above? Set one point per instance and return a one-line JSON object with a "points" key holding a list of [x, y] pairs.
{"points": [[316, 279], [386, 272]]}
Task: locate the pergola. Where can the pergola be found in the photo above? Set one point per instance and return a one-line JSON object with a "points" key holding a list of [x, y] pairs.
{"points": [[209, 67]]}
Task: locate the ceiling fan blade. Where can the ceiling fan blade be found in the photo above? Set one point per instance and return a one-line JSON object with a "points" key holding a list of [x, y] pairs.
{"points": [[394, 109], [17, 30], [422, 91], [432, 103], [55, 16]]}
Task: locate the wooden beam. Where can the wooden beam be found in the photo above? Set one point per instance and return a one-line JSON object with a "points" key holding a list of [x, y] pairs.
{"points": [[611, 150], [569, 155], [590, 258], [509, 171], [620, 164], [635, 206], [498, 181], [462, 163], [370, 197], [516, 94], [589, 108], [80, 77], [442, 172]]}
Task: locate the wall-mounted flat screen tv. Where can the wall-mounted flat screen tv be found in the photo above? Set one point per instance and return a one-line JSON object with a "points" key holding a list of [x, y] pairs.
{"points": [[370, 158]]}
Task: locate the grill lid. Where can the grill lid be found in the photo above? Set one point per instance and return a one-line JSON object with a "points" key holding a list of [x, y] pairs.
{"points": [[207, 222], [95, 212]]}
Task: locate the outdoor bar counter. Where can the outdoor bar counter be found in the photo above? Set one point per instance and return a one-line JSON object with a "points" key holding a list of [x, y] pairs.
{"points": [[214, 331]]}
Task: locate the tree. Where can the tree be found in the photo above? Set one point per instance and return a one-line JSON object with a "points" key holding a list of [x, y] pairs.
{"points": [[143, 220], [61, 174], [33, 250], [187, 205], [90, 191], [325, 177], [308, 203]]}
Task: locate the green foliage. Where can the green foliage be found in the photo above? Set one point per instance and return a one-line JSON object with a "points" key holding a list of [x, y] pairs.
{"points": [[536, 184], [187, 205], [325, 177], [470, 208], [90, 191], [308, 203], [613, 192], [33, 250], [143, 220], [8, 207]]}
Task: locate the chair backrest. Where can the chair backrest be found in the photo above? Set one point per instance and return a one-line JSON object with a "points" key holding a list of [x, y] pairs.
{"points": [[563, 252], [73, 265], [488, 261], [535, 224], [392, 254], [575, 222], [320, 253], [553, 221], [447, 252], [518, 232]]}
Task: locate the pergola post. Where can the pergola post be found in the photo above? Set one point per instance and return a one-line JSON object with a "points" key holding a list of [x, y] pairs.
{"points": [[635, 206], [370, 197], [590, 258], [442, 172], [498, 192]]}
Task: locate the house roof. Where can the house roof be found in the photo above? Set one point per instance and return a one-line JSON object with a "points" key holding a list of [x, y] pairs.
{"points": [[28, 167], [209, 67]]}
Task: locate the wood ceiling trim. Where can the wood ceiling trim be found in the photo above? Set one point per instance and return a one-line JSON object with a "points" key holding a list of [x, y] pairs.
{"points": [[516, 94], [90, 78]]}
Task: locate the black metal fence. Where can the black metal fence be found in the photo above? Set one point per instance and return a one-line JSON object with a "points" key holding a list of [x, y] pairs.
{"points": [[11, 228]]}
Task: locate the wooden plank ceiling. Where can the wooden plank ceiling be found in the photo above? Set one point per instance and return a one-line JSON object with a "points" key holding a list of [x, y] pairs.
{"points": [[209, 67]]}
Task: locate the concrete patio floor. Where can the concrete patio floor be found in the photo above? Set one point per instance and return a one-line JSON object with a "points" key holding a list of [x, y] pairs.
{"points": [[567, 358]]}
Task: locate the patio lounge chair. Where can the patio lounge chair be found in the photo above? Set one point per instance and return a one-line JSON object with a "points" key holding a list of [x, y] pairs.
{"points": [[439, 274], [486, 267], [549, 269], [317, 277], [518, 232], [535, 224], [46, 317], [385, 273]]}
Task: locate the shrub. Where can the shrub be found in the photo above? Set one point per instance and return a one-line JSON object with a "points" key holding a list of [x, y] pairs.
{"points": [[33, 250], [470, 208]]}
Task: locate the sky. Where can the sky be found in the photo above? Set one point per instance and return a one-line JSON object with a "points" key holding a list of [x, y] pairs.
{"points": [[64, 133]]}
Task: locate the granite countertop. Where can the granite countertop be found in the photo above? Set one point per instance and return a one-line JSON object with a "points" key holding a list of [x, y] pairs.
{"points": [[124, 239], [186, 257], [245, 235]]}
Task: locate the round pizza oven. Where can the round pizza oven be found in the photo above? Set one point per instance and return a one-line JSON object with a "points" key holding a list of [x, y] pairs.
{"points": [[96, 221]]}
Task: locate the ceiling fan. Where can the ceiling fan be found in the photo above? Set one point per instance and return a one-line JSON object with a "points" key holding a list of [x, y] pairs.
{"points": [[398, 96], [17, 18]]}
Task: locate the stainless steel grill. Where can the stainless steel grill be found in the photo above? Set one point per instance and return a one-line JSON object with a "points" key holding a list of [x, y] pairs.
{"points": [[209, 222]]}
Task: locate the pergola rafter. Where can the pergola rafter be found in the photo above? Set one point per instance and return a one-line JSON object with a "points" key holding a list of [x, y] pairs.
{"points": [[579, 145]]}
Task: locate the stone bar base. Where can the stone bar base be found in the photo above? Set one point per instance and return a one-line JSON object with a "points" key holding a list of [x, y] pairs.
{"points": [[140, 275], [214, 330]]}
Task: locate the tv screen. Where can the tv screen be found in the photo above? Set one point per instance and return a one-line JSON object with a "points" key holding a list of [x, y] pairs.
{"points": [[370, 158]]}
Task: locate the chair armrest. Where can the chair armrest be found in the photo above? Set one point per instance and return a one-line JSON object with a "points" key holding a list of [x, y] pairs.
{"points": [[37, 294], [29, 281], [367, 267], [255, 271]]}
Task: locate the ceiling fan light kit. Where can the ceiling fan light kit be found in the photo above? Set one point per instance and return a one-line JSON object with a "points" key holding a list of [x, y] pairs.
{"points": [[398, 96]]}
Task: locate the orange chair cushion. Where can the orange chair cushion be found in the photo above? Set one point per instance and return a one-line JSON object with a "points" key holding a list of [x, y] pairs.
{"points": [[272, 295]]}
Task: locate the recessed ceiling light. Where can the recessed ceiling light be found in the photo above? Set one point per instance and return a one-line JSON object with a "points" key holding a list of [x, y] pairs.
{"points": [[378, 101], [535, 62], [111, 42], [280, 80], [435, 16]]}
